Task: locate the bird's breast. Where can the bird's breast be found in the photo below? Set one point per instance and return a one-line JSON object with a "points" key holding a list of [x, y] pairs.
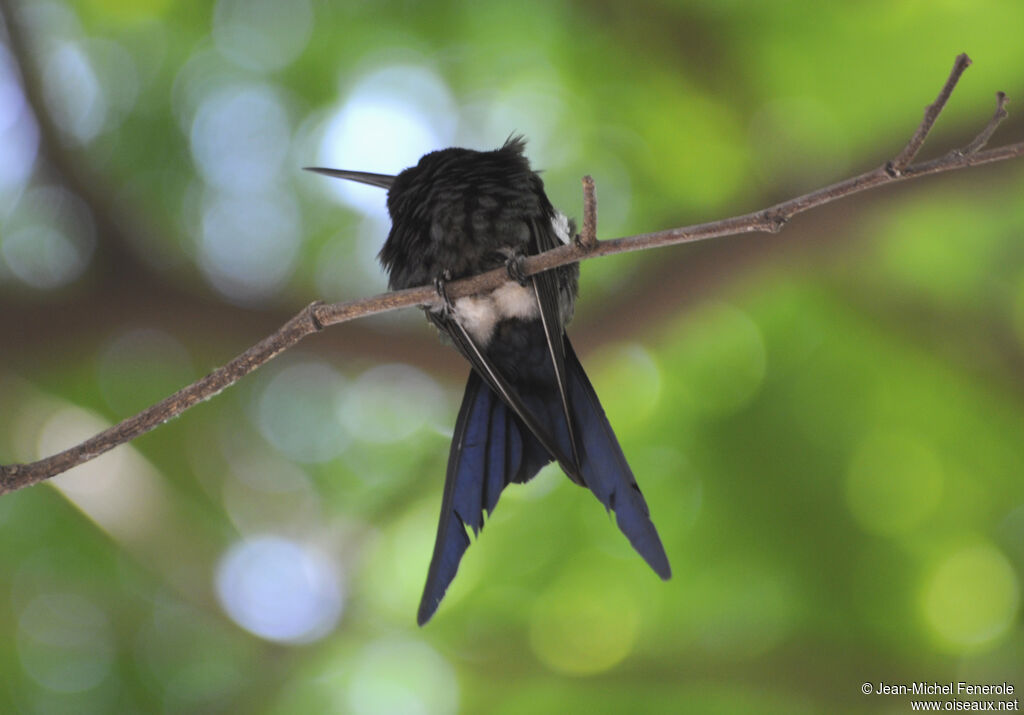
{"points": [[479, 314]]}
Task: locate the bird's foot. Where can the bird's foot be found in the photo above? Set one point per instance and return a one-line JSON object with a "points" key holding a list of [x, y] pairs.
{"points": [[516, 267], [440, 285]]}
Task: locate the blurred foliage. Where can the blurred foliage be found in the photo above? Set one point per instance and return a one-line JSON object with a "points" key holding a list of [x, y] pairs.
{"points": [[828, 432]]}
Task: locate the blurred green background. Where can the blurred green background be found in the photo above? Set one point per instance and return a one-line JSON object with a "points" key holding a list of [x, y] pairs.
{"points": [[827, 424]]}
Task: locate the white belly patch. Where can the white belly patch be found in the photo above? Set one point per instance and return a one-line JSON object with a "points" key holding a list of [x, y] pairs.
{"points": [[479, 314]]}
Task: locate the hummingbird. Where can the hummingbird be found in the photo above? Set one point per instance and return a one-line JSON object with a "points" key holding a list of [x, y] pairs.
{"points": [[527, 401]]}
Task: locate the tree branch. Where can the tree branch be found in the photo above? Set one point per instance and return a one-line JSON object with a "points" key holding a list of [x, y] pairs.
{"points": [[317, 315]]}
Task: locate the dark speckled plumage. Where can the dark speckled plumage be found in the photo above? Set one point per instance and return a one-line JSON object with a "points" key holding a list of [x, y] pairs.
{"points": [[527, 402], [462, 210]]}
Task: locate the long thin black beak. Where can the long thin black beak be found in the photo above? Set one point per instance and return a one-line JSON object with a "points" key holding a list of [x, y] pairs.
{"points": [[384, 181]]}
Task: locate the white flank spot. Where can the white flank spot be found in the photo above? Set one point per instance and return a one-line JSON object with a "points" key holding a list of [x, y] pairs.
{"points": [[561, 225]]}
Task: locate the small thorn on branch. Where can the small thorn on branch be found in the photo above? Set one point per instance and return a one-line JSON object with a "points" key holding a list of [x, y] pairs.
{"points": [[775, 221], [588, 236], [311, 309], [9, 474]]}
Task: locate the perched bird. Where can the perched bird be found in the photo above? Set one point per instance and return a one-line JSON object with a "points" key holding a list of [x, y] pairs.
{"points": [[458, 213]]}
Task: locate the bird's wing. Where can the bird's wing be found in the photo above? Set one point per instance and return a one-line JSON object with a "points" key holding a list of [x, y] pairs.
{"points": [[477, 357], [545, 286]]}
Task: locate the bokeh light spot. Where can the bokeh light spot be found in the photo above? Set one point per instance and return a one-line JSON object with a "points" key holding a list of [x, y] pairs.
{"points": [[956, 278], [262, 34], [971, 597], [140, 367], [269, 494], [388, 121], [396, 560], [49, 239], [893, 483], [12, 100], [240, 137], [41, 256], [19, 135], [118, 490], [249, 244], [720, 359], [532, 105], [298, 412], [630, 383], [118, 76], [64, 642], [584, 625], [388, 403], [347, 265], [396, 676], [279, 590], [73, 92]]}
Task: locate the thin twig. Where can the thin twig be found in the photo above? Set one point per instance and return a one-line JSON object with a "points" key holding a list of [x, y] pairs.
{"points": [[588, 236], [931, 113], [318, 315], [982, 139]]}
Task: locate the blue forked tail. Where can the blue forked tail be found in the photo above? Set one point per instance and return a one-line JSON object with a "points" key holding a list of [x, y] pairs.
{"points": [[491, 448]]}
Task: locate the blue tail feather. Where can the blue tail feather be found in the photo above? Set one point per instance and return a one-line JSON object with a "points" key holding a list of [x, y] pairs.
{"points": [[488, 451], [606, 472]]}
